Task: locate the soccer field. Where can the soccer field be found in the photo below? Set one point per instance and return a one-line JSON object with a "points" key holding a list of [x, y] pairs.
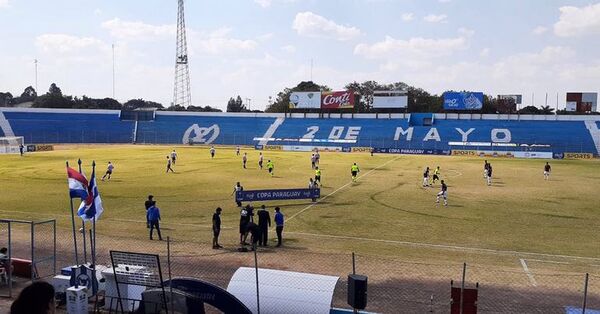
{"points": [[386, 212]]}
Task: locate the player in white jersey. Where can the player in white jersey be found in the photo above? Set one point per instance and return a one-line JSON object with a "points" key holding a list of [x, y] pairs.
{"points": [[109, 170], [443, 193]]}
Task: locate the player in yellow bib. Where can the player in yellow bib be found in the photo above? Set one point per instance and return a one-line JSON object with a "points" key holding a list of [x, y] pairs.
{"points": [[270, 167], [354, 170], [317, 175]]}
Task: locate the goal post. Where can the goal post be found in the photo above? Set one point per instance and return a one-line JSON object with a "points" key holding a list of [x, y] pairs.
{"points": [[10, 144]]}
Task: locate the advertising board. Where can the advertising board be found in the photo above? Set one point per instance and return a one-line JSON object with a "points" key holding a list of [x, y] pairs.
{"points": [[380, 102], [305, 100], [463, 100], [337, 100]]}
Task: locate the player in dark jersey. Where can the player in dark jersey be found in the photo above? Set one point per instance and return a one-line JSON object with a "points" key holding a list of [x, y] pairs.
{"points": [[547, 170], [443, 193], [426, 177]]}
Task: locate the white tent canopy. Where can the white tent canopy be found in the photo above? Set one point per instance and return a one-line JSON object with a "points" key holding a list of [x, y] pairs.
{"points": [[283, 291]]}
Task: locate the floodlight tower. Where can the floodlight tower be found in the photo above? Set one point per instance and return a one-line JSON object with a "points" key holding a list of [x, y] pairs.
{"points": [[182, 95]]}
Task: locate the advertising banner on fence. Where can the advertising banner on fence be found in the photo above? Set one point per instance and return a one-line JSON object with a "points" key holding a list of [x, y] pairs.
{"points": [[360, 149], [578, 156], [582, 102], [282, 194], [411, 151], [463, 100], [380, 102], [337, 100], [305, 100]]}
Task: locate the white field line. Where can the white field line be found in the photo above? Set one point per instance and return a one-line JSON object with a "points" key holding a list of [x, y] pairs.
{"points": [[114, 219], [447, 247], [338, 189], [528, 273], [546, 261]]}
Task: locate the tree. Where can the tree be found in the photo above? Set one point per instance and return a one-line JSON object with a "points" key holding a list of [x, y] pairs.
{"points": [[5, 99], [29, 94], [236, 105], [546, 110], [529, 110], [140, 103], [54, 90]]}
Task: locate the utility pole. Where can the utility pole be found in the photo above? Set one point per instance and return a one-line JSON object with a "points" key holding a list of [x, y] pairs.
{"points": [[113, 71], [311, 69], [181, 94], [36, 75], [248, 102]]}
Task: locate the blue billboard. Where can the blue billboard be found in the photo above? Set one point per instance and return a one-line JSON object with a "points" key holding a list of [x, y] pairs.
{"points": [[282, 194], [463, 100]]}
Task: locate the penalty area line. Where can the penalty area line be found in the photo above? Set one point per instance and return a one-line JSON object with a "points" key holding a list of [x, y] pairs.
{"points": [[446, 246], [340, 188]]}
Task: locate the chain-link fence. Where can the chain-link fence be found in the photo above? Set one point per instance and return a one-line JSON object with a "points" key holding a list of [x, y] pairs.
{"points": [[395, 285]]}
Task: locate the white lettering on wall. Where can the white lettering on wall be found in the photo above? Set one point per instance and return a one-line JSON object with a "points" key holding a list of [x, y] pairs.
{"points": [[465, 135], [353, 132], [504, 138], [432, 135], [310, 132], [336, 132], [400, 131]]}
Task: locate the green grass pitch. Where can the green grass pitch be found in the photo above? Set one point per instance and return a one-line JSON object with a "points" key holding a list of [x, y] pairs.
{"points": [[519, 212]]}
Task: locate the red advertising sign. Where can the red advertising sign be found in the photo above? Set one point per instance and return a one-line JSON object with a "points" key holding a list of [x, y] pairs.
{"points": [[337, 100]]}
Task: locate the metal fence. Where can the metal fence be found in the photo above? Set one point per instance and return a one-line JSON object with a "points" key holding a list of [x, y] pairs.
{"points": [[395, 285]]}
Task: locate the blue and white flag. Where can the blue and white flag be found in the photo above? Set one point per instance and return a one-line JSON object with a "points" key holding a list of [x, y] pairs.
{"points": [[92, 206], [78, 184]]}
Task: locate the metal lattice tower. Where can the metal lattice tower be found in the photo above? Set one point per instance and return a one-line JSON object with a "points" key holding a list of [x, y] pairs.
{"points": [[182, 95]]}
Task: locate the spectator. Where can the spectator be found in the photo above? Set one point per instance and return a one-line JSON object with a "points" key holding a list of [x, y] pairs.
{"points": [[216, 226], [37, 298], [254, 230], [264, 222]]}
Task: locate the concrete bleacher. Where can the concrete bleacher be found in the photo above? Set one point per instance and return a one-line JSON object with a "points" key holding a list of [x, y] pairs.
{"points": [[544, 133]]}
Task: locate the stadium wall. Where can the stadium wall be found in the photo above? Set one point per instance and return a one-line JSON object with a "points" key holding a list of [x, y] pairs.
{"points": [[393, 133]]}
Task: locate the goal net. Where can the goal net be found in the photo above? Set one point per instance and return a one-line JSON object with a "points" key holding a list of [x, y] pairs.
{"points": [[10, 144]]}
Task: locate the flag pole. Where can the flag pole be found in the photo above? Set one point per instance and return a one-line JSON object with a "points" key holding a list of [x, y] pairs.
{"points": [[83, 226], [93, 239], [73, 225]]}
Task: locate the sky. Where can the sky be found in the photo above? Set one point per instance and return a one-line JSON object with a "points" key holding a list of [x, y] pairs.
{"points": [[256, 48]]}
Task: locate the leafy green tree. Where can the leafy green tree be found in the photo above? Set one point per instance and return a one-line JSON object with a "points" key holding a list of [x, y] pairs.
{"points": [[236, 105], [5, 99], [140, 103], [54, 90], [546, 110], [529, 110]]}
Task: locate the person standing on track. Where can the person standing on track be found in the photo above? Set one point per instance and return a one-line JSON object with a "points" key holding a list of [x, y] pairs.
{"points": [[264, 222], [244, 221], [109, 170], [317, 175], [169, 165], [317, 157], [313, 161], [212, 152], [153, 217], [279, 219], [547, 170], [237, 150], [485, 169], [216, 226], [149, 203], [270, 167], [244, 160], [237, 188], [443, 193], [260, 160], [354, 172]]}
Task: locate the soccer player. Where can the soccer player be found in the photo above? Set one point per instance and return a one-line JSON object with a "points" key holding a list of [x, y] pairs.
{"points": [[169, 165], [21, 149], [436, 175], [443, 193], [173, 157], [270, 167], [237, 150], [216, 226], [489, 174], [426, 177], [372, 151], [317, 157], [260, 160], [244, 160], [312, 185], [237, 188], [313, 160], [109, 170], [485, 169], [317, 175], [212, 152], [354, 171], [547, 170]]}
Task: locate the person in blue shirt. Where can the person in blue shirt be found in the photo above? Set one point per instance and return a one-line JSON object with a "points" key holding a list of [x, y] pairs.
{"points": [[278, 225], [153, 216]]}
